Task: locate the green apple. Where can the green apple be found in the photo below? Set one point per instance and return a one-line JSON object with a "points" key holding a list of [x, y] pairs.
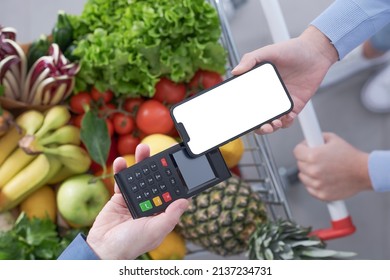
{"points": [[80, 199]]}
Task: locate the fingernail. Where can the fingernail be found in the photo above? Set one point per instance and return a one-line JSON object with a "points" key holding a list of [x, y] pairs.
{"points": [[263, 131], [277, 124], [292, 115]]}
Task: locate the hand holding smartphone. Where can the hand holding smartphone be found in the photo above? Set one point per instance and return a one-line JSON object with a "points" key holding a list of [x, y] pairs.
{"points": [[231, 109]]}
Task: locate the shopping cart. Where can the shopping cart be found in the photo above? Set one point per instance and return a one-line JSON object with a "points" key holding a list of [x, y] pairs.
{"points": [[261, 170], [258, 166]]}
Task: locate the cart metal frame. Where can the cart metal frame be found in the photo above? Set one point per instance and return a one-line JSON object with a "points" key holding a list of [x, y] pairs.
{"points": [[258, 165]]}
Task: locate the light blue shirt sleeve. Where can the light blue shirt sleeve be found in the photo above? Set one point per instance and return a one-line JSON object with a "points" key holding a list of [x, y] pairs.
{"points": [[348, 23], [379, 170], [78, 249]]}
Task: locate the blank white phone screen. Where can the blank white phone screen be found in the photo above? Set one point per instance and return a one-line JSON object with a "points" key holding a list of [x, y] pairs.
{"points": [[232, 108]]}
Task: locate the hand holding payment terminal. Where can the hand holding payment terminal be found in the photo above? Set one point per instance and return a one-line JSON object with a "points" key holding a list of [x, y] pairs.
{"points": [[151, 185], [205, 121]]}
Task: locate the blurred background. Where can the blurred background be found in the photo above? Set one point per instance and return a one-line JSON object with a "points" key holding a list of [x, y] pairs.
{"points": [[338, 108]]}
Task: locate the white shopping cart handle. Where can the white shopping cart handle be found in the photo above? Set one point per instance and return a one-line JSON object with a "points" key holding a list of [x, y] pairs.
{"points": [[341, 221], [342, 224]]}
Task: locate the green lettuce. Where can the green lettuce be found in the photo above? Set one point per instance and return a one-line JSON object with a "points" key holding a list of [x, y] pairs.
{"points": [[127, 45]]}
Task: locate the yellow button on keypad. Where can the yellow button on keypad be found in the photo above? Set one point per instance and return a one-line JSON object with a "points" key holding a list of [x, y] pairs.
{"points": [[157, 201]]}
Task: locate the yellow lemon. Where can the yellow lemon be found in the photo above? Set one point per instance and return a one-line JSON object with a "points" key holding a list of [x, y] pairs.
{"points": [[173, 247], [232, 152], [130, 159], [40, 204], [158, 142]]}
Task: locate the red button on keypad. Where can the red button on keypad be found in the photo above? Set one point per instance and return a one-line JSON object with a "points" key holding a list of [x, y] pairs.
{"points": [[167, 196], [164, 162]]}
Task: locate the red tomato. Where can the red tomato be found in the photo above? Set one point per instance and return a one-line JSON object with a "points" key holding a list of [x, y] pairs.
{"points": [[174, 133], [77, 119], [110, 127], [140, 134], [78, 101], [127, 144], [204, 79], [123, 124], [132, 104], [169, 91], [104, 97], [154, 117]]}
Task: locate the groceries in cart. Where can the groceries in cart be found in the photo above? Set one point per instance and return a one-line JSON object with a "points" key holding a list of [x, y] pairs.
{"points": [[256, 97]]}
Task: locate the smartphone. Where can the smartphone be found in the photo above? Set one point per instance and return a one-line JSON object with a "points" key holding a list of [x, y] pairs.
{"points": [[231, 109], [149, 186]]}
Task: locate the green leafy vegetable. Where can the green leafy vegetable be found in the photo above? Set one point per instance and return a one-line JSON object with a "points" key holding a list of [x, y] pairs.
{"points": [[127, 45], [33, 239], [94, 134]]}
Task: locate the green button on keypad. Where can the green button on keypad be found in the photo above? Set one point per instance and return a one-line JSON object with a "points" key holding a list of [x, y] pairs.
{"points": [[146, 205]]}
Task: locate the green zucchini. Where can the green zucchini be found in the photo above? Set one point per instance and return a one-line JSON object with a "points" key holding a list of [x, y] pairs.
{"points": [[63, 32], [37, 49]]}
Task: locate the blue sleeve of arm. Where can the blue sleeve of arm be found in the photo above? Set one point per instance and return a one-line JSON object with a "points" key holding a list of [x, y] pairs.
{"points": [[379, 170], [348, 23], [78, 249]]}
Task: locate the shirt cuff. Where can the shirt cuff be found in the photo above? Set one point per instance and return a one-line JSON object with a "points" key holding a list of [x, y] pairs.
{"points": [[348, 24], [78, 249], [379, 170]]}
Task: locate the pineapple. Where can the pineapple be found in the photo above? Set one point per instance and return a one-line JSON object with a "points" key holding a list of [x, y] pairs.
{"points": [[222, 218], [230, 218]]}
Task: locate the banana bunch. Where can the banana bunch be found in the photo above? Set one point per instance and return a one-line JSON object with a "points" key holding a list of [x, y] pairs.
{"points": [[41, 148]]}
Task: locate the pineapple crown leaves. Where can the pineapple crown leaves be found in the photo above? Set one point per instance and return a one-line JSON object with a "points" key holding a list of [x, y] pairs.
{"points": [[286, 240]]}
